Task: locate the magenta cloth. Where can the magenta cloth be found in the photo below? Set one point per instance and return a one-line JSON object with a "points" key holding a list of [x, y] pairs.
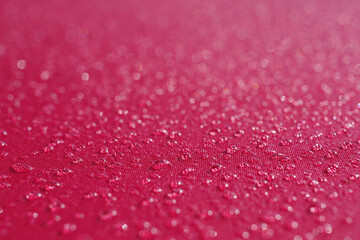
{"points": [[188, 119]]}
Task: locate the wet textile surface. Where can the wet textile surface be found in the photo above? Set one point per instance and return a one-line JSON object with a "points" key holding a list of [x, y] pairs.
{"points": [[184, 119]]}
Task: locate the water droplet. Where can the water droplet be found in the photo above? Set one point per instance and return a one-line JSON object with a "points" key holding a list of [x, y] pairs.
{"points": [[216, 168], [108, 215], [331, 154], [161, 164], [21, 64], [317, 147], [21, 168], [68, 228]]}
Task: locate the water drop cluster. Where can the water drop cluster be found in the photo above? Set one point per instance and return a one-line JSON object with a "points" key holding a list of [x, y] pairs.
{"points": [[185, 119]]}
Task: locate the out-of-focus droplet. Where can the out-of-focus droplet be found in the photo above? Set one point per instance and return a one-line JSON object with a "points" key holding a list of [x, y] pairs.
{"points": [[21, 64]]}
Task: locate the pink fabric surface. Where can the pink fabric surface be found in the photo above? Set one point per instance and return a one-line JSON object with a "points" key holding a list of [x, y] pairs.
{"points": [[186, 119]]}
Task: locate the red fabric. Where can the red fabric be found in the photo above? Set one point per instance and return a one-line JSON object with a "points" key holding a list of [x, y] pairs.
{"points": [[179, 119]]}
